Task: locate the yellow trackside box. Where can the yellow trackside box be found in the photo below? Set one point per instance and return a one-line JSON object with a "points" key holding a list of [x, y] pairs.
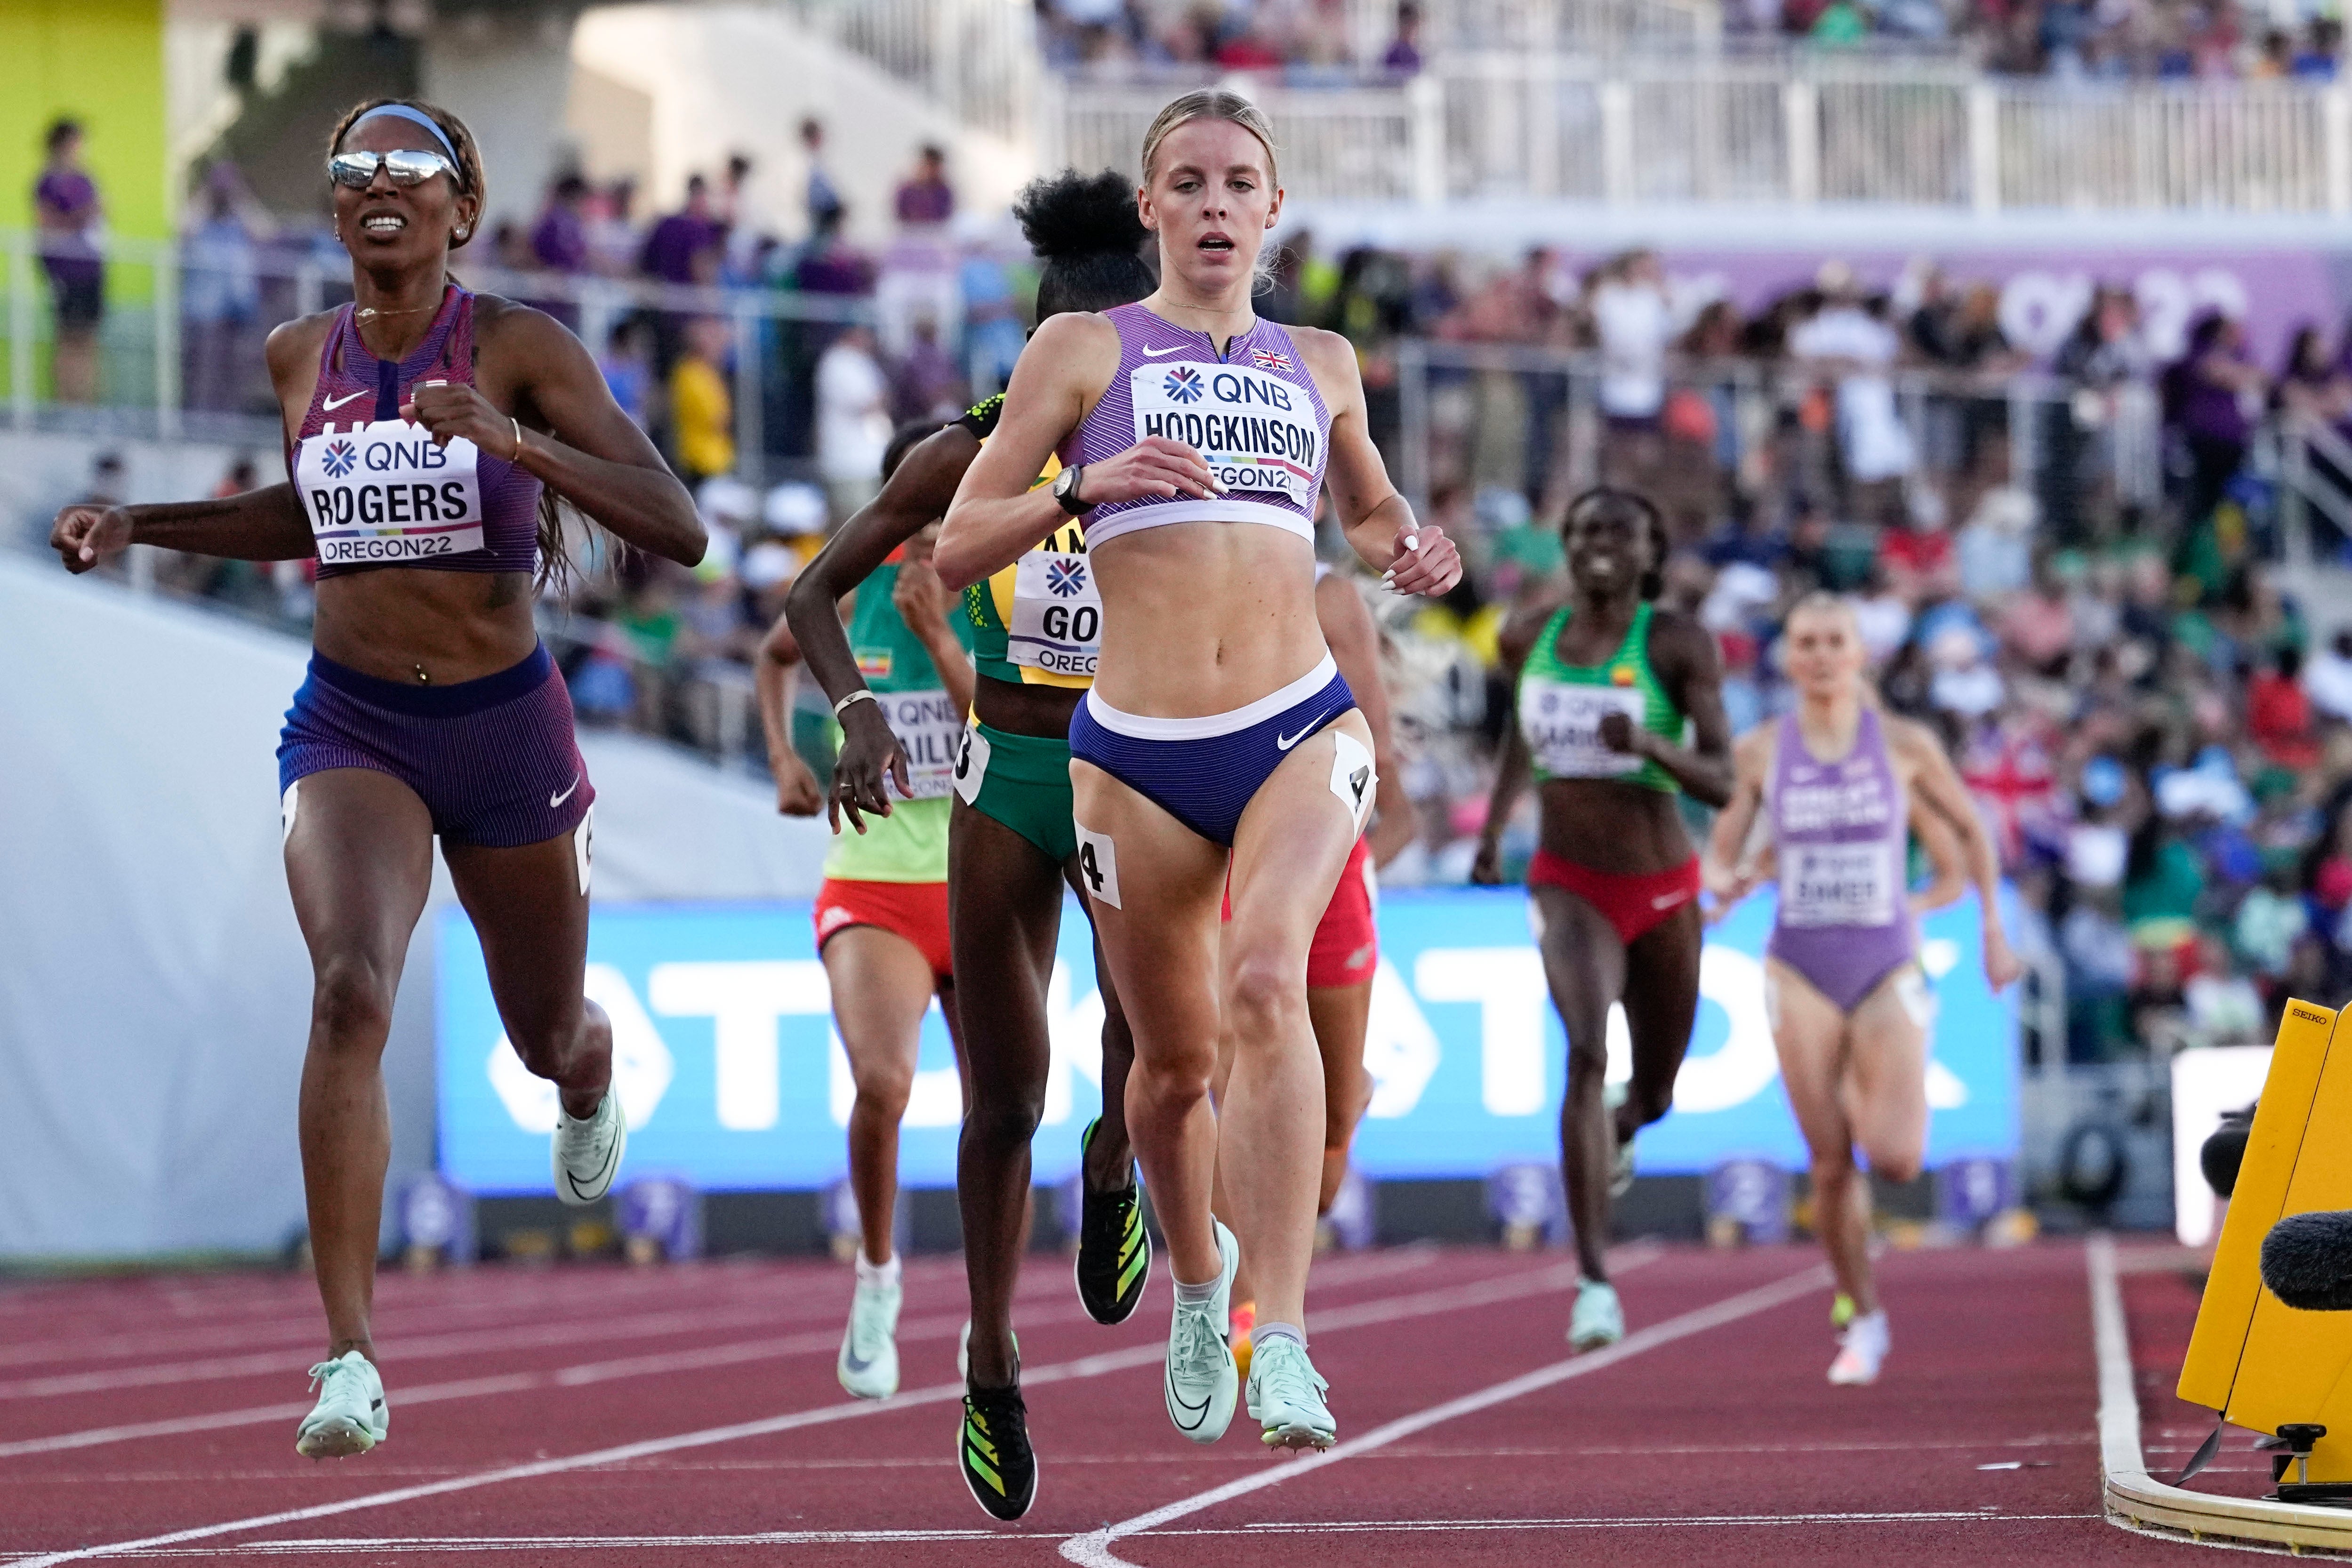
{"points": [[2253, 1358]]}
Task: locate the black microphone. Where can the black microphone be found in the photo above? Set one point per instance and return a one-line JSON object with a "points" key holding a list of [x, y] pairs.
{"points": [[2225, 1150], [2307, 1261]]}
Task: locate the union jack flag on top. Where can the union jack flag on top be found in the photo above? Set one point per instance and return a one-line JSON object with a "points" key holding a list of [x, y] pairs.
{"points": [[1270, 359]]}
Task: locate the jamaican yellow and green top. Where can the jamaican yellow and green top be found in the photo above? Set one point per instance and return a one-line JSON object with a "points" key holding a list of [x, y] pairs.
{"points": [[1560, 706], [1039, 621]]}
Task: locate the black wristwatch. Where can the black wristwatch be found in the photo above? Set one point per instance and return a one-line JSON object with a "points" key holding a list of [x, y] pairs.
{"points": [[1065, 491]]}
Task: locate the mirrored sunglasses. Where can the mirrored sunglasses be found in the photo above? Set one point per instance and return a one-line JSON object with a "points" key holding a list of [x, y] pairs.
{"points": [[357, 170]]}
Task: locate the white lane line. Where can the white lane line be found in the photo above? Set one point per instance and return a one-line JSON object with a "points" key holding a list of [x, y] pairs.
{"points": [[429, 1347], [1410, 1454], [1093, 1550], [326, 1546], [702, 1359], [784, 1291], [1486, 1292], [526, 1303], [2119, 1450], [522, 1300]]}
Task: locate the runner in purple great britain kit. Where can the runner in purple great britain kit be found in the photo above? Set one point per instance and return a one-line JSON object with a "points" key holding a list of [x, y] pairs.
{"points": [[1194, 440], [429, 432], [1831, 793]]}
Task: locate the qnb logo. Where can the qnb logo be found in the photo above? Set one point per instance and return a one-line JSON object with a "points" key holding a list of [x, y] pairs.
{"points": [[1064, 578], [341, 458], [1184, 383]]}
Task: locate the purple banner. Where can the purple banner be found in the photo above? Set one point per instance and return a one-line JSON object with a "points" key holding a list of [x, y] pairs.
{"points": [[2043, 293]]}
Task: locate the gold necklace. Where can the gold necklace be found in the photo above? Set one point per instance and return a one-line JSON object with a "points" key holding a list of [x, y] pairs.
{"points": [[369, 312]]}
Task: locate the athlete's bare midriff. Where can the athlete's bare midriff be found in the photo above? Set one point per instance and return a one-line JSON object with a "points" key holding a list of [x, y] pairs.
{"points": [[1627, 830], [1208, 618], [1043, 712], [387, 621]]}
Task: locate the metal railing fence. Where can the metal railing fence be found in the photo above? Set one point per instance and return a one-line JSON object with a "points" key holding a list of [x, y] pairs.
{"points": [[1800, 129], [180, 347], [978, 59], [1476, 417]]}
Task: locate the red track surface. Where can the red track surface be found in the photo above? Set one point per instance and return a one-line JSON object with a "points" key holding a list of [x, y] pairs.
{"points": [[140, 1408]]}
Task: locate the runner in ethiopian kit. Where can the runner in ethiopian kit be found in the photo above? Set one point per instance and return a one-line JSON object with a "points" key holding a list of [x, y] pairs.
{"points": [[1012, 848], [882, 912], [1619, 707], [428, 433], [1828, 792]]}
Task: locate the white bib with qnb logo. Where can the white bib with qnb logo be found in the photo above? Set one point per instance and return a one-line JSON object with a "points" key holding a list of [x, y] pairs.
{"points": [[1256, 430], [931, 728], [1562, 724], [1056, 614], [1837, 884], [383, 492]]}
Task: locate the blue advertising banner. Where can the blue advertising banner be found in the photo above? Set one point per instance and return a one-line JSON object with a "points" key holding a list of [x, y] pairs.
{"points": [[732, 1076]]}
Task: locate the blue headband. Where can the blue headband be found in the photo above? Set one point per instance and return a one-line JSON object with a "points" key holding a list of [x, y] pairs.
{"points": [[402, 111]]}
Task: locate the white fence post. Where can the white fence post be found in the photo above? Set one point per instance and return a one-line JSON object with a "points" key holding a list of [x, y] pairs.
{"points": [[2336, 116], [947, 73], [1800, 116], [1426, 99], [1617, 142], [20, 328], [167, 342], [1540, 90], [1984, 148]]}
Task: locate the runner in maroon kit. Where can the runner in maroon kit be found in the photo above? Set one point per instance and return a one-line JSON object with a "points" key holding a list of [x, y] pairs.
{"points": [[426, 428]]}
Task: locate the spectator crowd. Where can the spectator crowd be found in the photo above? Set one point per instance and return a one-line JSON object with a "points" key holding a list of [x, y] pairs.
{"points": [[1310, 43], [2063, 562]]}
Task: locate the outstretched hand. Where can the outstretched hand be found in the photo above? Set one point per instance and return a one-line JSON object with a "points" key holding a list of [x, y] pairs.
{"points": [[1426, 562], [85, 536], [2002, 967], [797, 791], [869, 751]]}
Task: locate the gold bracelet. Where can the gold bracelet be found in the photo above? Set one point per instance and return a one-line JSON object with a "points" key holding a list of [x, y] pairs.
{"points": [[518, 430]]}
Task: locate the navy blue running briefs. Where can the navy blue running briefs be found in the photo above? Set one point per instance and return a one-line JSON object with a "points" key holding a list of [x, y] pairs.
{"points": [[1206, 782]]}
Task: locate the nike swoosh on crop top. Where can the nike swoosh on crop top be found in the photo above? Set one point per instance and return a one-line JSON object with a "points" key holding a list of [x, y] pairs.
{"points": [[375, 488], [1253, 412]]}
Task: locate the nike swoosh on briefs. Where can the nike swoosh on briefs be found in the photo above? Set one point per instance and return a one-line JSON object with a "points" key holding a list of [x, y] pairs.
{"points": [[332, 404], [1284, 742], [1150, 352], [1667, 900], [556, 800]]}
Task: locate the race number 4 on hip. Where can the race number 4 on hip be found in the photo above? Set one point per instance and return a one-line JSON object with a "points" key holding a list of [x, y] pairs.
{"points": [[383, 492]]}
